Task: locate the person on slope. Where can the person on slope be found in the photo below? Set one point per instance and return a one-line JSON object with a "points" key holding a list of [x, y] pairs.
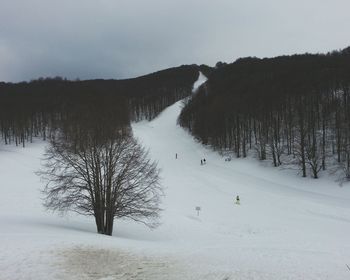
{"points": [[237, 200]]}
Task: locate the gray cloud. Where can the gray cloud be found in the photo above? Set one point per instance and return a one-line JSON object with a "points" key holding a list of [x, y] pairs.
{"points": [[126, 38]]}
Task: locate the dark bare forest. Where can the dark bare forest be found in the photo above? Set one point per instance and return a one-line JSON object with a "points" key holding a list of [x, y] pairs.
{"points": [[288, 110], [39, 107]]}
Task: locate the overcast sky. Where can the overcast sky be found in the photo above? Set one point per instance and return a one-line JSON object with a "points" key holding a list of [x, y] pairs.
{"points": [[126, 38]]}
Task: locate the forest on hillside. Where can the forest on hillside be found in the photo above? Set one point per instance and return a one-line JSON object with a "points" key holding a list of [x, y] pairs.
{"points": [[291, 110], [39, 107]]}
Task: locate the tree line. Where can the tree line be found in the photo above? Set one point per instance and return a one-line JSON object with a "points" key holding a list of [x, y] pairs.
{"points": [[37, 108], [289, 110]]}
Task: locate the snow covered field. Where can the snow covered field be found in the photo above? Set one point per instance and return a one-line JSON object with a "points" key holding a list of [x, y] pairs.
{"points": [[286, 227]]}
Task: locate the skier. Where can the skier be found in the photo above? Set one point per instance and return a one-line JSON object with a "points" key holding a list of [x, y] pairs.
{"points": [[176, 156], [237, 200], [201, 162], [204, 161]]}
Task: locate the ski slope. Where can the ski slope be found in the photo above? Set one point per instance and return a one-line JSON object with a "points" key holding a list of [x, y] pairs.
{"points": [[286, 227]]}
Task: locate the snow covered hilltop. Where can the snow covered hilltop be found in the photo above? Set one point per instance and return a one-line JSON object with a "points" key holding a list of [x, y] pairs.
{"points": [[288, 110], [285, 227]]}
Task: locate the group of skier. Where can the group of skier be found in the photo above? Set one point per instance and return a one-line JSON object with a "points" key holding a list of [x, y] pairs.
{"points": [[203, 161]]}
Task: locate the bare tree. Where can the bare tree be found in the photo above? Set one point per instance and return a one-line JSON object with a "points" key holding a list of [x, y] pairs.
{"points": [[108, 180], [313, 155]]}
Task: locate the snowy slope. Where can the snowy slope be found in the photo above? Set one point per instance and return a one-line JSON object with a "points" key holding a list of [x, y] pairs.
{"points": [[285, 228]]}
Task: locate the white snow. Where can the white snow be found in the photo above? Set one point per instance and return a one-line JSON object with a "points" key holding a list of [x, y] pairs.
{"points": [[201, 80], [285, 228]]}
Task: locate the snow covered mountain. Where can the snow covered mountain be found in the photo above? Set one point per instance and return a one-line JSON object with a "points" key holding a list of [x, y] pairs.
{"points": [[285, 227]]}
